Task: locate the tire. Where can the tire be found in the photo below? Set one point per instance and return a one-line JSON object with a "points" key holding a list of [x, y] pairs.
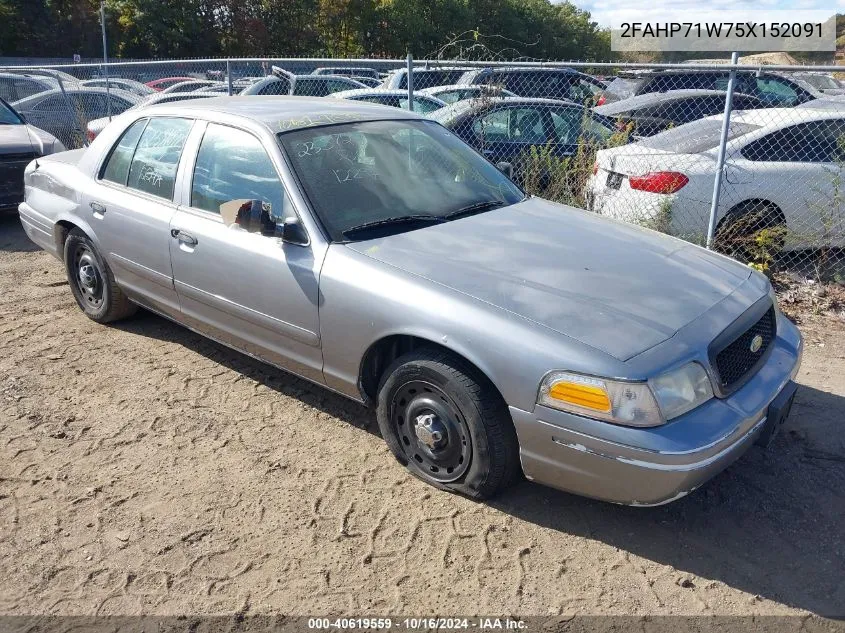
{"points": [[92, 282], [736, 235], [447, 424]]}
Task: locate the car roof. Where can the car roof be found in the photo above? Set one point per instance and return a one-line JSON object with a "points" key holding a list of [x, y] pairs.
{"points": [[527, 69], [433, 89], [652, 98], [75, 89], [380, 92], [282, 113], [780, 117]]}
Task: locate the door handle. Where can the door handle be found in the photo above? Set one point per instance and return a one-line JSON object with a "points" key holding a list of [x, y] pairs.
{"points": [[183, 237], [487, 152], [96, 207]]}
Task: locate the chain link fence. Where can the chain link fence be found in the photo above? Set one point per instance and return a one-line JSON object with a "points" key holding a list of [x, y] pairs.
{"points": [[641, 143]]}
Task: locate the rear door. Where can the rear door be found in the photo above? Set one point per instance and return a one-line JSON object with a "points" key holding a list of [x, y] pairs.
{"points": [[131, 204], [248, 290], [799, 168]]}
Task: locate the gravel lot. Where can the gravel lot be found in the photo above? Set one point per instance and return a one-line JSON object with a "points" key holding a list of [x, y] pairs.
{"points": [[144, 469]]}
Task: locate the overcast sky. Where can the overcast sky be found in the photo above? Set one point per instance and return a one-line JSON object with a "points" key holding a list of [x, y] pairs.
{"points": [[606, 11]]}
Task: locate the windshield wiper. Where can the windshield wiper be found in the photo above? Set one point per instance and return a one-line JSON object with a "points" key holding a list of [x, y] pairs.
{"points": [[472, 209], [385, 222]]}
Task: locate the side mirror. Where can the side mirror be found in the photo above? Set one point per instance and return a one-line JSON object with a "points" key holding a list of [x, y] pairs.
{"points": [[506, 168], [254, 216], [293, 232]]}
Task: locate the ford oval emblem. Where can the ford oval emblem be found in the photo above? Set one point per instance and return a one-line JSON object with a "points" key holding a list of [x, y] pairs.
{"points": [[756, 344]]}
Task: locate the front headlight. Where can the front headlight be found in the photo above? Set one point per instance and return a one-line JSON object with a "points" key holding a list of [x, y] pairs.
{"points": [[628, 403], [682, 390]]}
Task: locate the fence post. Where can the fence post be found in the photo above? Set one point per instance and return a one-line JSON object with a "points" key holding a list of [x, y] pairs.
{"points": [[410, 83], [720, 159], [105, 58], [229, 75]]}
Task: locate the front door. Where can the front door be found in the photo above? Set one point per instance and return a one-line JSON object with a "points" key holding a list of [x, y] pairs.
{"points": [[248, 290]]}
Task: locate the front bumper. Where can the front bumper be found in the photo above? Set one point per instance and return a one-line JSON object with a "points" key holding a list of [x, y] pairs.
{"points": [[653, 466]]}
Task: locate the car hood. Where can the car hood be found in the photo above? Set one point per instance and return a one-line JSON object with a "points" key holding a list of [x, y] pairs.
{"points": [[613, 286], [20, 139]]}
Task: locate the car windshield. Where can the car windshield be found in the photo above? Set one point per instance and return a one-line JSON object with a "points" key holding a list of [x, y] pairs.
{"points": [[392, 176], [698, 136], [8, 116]]}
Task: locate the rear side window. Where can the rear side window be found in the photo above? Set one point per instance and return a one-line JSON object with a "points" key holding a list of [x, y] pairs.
{"points": [[117, 165], [153, 168]]}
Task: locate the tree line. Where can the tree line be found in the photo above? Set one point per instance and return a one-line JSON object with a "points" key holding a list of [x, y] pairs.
{"points": [[479, 29]]}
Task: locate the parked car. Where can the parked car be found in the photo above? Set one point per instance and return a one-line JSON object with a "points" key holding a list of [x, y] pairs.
{"points": [[454, 93], [16, 86], [368, 81], [371, 251], [282, 82], [64, 113], [822, 82], [781, 174], [95, 126], [165, 82], [504, 130], [544, 83], [423, 77], [652, 112], [191, 85], [347, 71], [775, 89], [20, 143], [130, 85], [395, 98]]}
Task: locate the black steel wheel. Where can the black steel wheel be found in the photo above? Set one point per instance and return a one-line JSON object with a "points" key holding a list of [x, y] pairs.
{"points": [[92, 282], [433, 433], [447, 423]]}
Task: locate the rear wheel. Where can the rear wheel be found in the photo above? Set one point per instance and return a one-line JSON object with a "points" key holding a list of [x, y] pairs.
{"points": [[92, 282], [753, 231], [447, 424]]}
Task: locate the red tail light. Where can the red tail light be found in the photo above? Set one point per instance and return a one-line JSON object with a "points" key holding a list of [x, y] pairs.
{"points": [[659, 182], [91, 135], [601, 101]]}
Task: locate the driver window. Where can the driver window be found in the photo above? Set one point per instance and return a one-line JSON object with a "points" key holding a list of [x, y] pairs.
{"points": [[232, 168]]}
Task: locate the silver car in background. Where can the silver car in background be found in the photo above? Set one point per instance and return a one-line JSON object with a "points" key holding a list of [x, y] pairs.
{"points": [[374, 253]]}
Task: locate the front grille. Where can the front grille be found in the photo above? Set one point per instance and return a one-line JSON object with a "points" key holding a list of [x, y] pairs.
{"points": [[12, 158], [737, 359]]}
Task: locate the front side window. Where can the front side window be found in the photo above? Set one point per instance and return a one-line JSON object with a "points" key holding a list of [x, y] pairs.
{"points": [[380, 171], [153, 168], [117, 165], [232, 168]]}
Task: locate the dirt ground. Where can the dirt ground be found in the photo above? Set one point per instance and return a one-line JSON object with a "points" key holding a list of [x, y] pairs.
{"points": [[144, 469]]}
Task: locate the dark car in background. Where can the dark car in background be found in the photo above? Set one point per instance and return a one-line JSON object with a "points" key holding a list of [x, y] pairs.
{"points": [[775, 89], [653, 112], [64, 113], [504, 130], [542, 83], [20, 143]]}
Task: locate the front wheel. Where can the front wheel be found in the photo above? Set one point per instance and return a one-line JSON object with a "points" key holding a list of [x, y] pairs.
{"points": [[447, 424], [92, 282]]}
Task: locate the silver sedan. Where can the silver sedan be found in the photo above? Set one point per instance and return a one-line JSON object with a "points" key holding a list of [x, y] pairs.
{"points": [[372, 252]]}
